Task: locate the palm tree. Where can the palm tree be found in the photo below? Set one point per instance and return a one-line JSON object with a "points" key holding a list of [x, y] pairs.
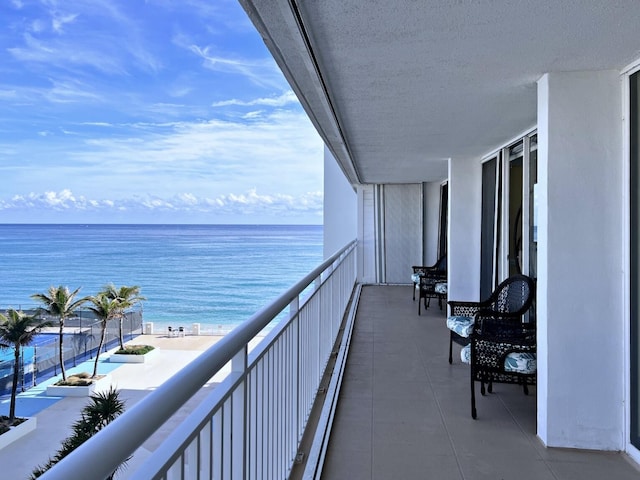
{"points": [[103, 408], [106, 309], [17, 330], [60, 302], [127, 297]]}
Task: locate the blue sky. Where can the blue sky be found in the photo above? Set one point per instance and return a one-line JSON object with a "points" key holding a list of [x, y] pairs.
{"points": [[156, 111]]}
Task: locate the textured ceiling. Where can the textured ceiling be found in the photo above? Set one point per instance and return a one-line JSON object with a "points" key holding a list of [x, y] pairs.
{"points": [[396, 88]]}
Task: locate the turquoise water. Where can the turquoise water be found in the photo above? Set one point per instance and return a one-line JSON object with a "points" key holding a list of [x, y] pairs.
{"points": [[215, 275]]}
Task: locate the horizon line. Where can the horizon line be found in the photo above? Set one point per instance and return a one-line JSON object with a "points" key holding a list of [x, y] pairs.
{"points": [[168, 223]]}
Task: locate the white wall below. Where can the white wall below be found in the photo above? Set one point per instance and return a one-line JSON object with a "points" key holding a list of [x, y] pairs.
{"points": [[580, 261], [465, 189], [340, 207]]}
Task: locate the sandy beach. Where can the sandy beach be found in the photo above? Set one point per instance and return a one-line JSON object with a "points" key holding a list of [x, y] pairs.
{"points": [[135, 381]]}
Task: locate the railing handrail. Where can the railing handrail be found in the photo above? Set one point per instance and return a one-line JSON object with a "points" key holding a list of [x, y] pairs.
{"points": [[125, 434]]}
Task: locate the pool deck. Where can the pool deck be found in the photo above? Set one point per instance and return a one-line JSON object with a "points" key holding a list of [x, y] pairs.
{"points": [[56, 414]]}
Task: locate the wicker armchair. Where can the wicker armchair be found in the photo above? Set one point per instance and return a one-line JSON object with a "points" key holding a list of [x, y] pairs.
{"points": [[513, 296], [502, 349], [429, 287], [439, 266]]}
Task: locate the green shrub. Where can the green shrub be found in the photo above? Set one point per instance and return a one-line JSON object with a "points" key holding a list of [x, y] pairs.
{"points": [[135, 349], [5, 423], [101, 410], [81, 379]]}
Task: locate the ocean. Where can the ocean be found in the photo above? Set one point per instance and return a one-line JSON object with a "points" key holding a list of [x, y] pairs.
{"points": [[215, 275]]}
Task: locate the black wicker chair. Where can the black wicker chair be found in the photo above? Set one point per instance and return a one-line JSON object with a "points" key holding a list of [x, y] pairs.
{"points": [[418, 270], [428, 287], [513, 296], [502, 349]]}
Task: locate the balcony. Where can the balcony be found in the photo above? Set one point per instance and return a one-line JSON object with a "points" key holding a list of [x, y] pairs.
{"points": [[404, 412], [401, 412]]}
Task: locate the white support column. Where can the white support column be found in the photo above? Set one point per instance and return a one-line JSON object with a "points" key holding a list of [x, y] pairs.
{"points": [[580, 261], [465, 190]]}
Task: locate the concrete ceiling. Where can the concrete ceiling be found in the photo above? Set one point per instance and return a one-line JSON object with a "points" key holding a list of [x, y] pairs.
{"points": [[395, 88]]}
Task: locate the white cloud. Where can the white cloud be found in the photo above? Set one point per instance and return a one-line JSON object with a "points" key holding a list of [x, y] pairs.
{"points": [[286, 98], [8, 94], [69, 90], [104, 98], [67, 55], [58, 21], [279, 151], [262, 72], [248, 203]]}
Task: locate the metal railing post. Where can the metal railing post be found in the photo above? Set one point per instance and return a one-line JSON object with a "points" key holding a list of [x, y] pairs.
{"points": [[239, 418]]}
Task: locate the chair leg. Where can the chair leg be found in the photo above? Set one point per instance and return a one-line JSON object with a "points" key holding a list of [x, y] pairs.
{"points": [[474, 414], [414, 292], [450, 348], [419, 300]]}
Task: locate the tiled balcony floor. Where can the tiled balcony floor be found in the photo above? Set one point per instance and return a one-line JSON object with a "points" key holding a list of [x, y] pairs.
{"points": [[404, 412]]}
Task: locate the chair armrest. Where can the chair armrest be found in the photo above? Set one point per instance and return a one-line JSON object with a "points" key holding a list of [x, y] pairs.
{"points": [[495, 336], [422, 269], [489, 355]]}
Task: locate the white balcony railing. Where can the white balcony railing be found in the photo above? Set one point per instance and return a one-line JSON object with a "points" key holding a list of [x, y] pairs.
{"points": [[249, 427]]}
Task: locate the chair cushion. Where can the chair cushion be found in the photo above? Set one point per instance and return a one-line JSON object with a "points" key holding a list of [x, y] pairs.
{"points": [[515, 362], [465, 354], [441, 288], [520, 362], [415, 278], [463, 326]]}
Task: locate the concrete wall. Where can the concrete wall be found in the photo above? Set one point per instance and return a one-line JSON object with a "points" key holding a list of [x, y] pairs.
{"points": [[580, 261], [465, 189], [340, 207]]}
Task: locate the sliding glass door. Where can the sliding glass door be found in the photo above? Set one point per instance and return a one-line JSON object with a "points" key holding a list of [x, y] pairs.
{"points": [[489, 223], [444, 220], [514, 254], [508, 228]]}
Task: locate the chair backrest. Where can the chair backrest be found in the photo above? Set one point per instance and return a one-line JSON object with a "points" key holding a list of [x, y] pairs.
{"points": [[514, 295], [441, 264]]}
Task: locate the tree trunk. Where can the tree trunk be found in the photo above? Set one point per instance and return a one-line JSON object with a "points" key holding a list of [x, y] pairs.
{"points": [[14, 387], [60, 350], [120, 332], [102, 335]]}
